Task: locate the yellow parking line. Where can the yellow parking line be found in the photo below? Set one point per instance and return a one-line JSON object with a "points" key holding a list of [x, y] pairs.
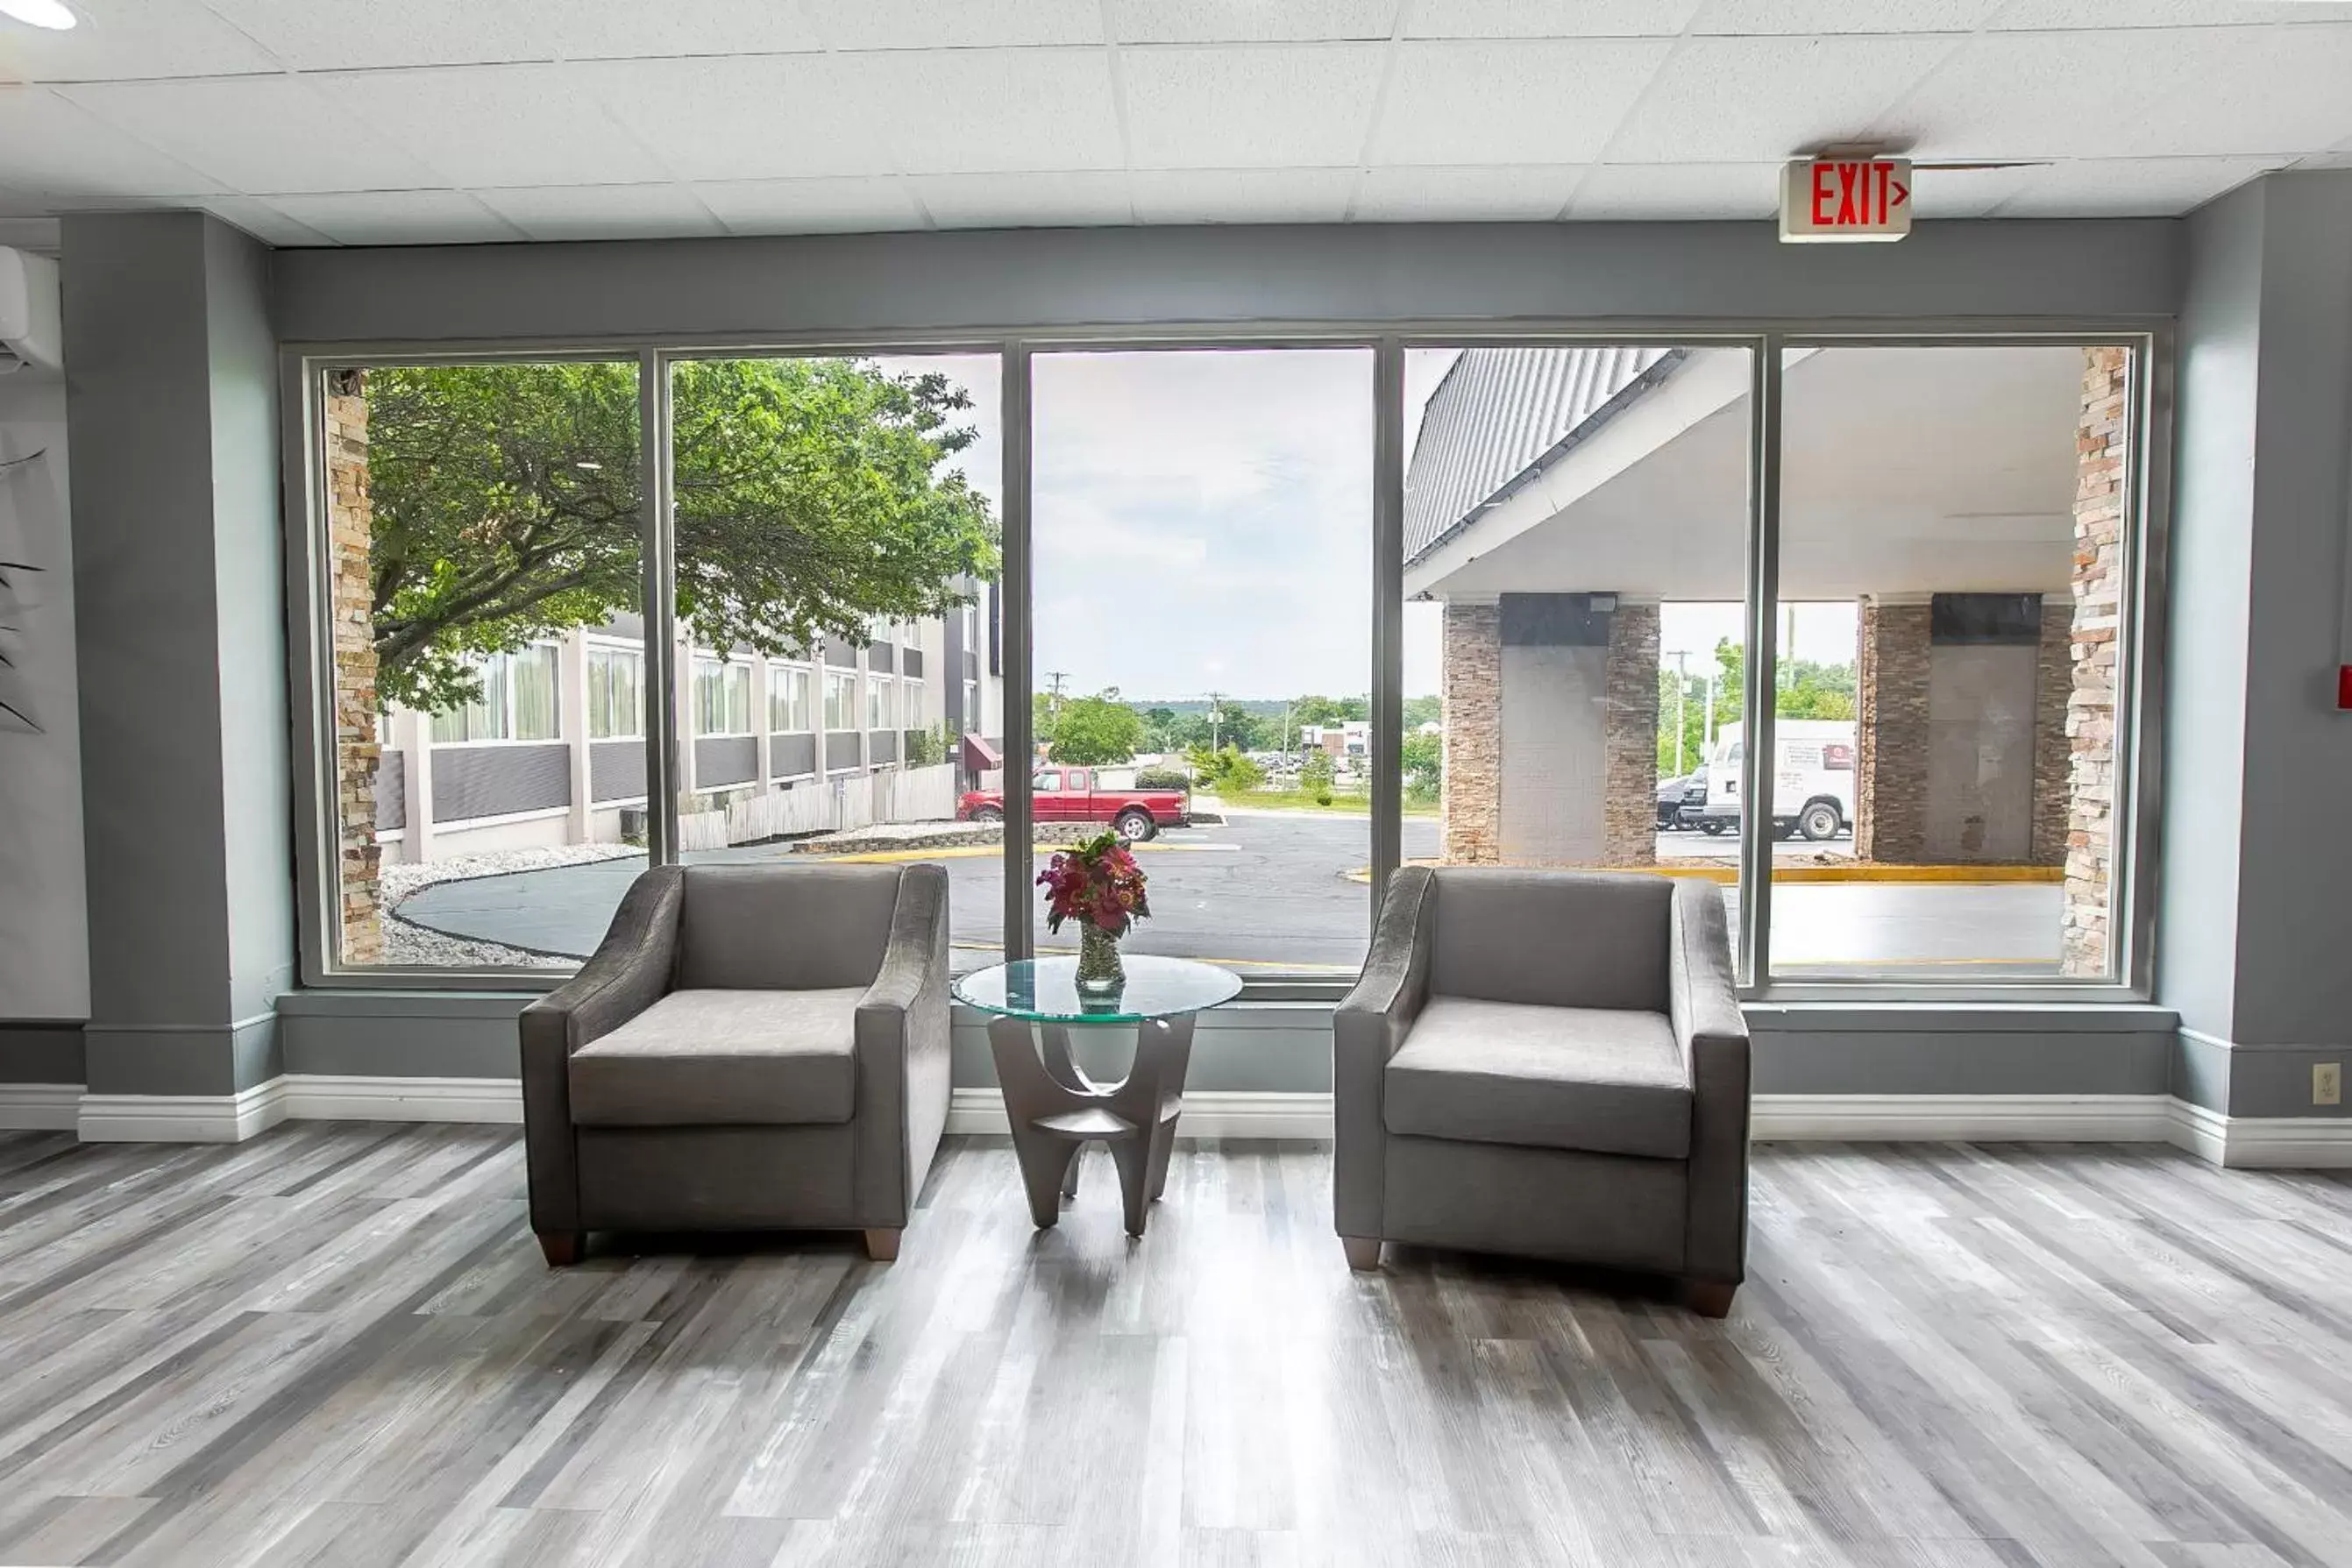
{"points": [[1979, 875]]}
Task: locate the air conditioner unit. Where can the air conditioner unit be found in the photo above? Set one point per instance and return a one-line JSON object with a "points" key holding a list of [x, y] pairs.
{"points": [[31, 335]]}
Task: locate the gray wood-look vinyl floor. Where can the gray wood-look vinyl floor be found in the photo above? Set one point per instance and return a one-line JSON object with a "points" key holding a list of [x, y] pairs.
{"points": [[338, 1344]]}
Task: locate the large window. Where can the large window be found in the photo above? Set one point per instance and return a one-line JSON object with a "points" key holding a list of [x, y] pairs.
{"points": [[722, 697], [840, 700], [1575, 554], [1875, 684], [616, 693], [789, 710], [479, 577], [1202, 561], [1954, 558]]}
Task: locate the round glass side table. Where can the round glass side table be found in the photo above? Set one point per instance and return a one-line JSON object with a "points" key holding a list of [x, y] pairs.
{"points": [[1055, 1109]]}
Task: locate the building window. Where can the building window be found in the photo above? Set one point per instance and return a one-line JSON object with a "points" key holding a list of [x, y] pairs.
{"points": [[723, 696], [910, 701], [616, 694], [463, 506], [517, 700], [788, 699], [974, 721], [1194, 667], [840, 700], [878, 702]]}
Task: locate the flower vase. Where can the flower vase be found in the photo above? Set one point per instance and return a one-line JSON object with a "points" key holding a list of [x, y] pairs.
{"points": [[1100, 974]]}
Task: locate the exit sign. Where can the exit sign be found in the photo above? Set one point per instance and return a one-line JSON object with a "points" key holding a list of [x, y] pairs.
{"points": [[1826, 200]]}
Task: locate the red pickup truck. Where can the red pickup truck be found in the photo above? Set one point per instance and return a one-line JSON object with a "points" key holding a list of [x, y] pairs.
{"points": [[1073, 795]]}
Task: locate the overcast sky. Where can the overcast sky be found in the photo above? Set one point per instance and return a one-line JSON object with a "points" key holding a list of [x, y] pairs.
{"points": [[1202, 523]]}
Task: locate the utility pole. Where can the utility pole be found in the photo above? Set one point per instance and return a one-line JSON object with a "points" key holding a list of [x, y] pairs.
{"points": [[1216, 716], [1682, 687], [1709, 678], [1054, 679]]}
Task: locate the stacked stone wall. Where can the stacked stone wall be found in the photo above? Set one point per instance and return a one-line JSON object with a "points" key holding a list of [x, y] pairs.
{"points": [[351, 605]]}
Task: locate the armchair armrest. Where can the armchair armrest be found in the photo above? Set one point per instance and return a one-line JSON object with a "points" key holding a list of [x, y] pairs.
{"points": [[1367, 1030], [902, 1053], [629, 971], [1703, 1004]]}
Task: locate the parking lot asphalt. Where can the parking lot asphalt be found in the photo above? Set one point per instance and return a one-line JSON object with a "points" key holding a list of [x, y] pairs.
{"points": [[1271, 891]]}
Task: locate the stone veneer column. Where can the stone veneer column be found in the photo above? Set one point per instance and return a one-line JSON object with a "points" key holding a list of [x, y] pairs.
{"points": [[352, 596], [2100, 448], [1470, 795], [2053, 685], [1890, 787], [1630, 821]]}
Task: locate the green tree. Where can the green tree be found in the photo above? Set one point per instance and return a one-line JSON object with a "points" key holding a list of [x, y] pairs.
{"points": [[1419, 711], [809, 498], [1315, 776], [1423, 759], [1091, 731], [1329, 710], [1224, 771]]}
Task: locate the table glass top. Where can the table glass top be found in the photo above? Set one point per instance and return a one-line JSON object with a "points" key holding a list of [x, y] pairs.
{"points": [[1047, 990]]}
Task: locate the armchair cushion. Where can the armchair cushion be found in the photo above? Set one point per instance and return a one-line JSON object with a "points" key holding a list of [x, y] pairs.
{"points": [[1601, 1081], [1571, 939], [730, 1058]]}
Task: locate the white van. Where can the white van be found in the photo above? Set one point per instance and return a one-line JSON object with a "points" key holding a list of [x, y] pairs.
{"points": [[1813, 787]]}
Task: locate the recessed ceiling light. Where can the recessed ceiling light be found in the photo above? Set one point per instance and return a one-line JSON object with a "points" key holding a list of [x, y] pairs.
{"points": [[48, 13]]}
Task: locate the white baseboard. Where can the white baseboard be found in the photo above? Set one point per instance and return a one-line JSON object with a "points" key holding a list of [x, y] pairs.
{"points": [[40, 1107], [2308, 1143], [182, 1118], [1968, 1118], [317, 1097]]}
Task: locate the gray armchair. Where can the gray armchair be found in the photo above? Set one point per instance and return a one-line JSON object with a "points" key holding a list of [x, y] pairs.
{"points": [[1549, 1064], [752, 1048]]}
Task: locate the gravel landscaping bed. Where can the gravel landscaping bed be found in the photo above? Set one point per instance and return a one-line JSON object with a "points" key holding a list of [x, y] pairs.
{"points": [[408, 944]]}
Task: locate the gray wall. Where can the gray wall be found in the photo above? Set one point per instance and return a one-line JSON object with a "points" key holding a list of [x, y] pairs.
{"points": [[44, 925], [472, 781], [900, 283], [2256, 891], [41, 1052], [721, 760], [177, 582]]}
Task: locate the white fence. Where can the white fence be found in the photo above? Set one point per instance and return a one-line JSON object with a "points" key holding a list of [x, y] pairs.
{"points": [[819, 806]]}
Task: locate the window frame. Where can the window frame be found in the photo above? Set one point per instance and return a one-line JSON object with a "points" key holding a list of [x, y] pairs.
{"points": [[731, 668], [796, 675], [593, 647], [510, 717], [303, 366]]}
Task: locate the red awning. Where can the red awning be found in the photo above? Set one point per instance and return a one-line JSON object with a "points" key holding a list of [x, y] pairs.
{"points": [[979, 757]]}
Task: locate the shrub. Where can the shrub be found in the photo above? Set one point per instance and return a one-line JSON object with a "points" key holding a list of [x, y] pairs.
{"points": [[1162, 778]]}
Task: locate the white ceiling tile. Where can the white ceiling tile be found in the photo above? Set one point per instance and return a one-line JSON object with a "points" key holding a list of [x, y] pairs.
{"points": [[1250, 21], [954, 24], [118, 38], [321, 35], [603, 212], [611, 29], [397, 218], [256, 134], [762, 117], [1670, 190], [262, 221], [1964, 192], [990, 110], [2257, 90], [340, 34], [1249, 106], [1738, 100], [1413, 195], [50, 145], [2127, 187], [1547, 19], [495, 125], [811, 206], [1521, 101], [1747, 16], [1070, 199], [2203, 90], [1242, 195], [2040, 14]]}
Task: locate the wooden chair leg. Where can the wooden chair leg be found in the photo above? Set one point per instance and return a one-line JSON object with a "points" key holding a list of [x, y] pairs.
{"points": [[1363, 1252], [882, 1246], [1709, 1298], [563, 1247]]}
